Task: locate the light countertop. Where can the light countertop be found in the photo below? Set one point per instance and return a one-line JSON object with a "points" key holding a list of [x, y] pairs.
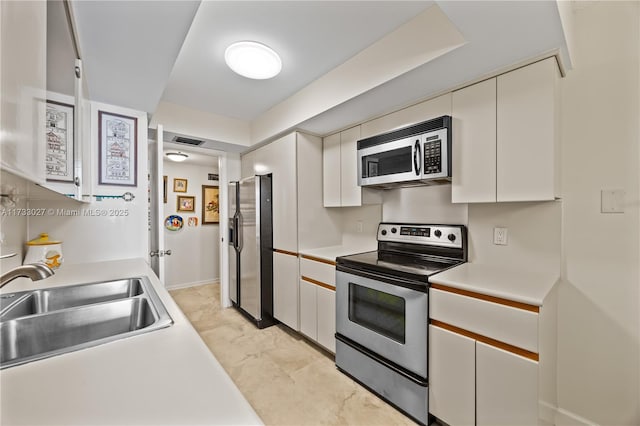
{"points": [[518, 285], [332, 252], [165, 377]]}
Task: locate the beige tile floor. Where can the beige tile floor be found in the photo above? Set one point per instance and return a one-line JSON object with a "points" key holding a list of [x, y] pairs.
{"points": [[285, 378]]}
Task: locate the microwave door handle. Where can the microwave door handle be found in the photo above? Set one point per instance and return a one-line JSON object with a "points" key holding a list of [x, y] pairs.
{"points": [[416, 158]]}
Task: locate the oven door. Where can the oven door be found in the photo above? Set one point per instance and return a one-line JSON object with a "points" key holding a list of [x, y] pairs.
{"points": [[391, 162], [387, 319]]}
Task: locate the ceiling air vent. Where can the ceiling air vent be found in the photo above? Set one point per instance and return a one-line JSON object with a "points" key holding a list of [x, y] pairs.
{"points": [[187, 141]]}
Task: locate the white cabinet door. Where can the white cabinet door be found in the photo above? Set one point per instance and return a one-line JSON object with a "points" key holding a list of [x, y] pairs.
{"points": [[308, 310], [285, 193], [474, 143], [23, 88], [285, 289], [350, 192], [526, 133], [506, 388], [247, 162], [326, 317], [452, 396], [331, 170]]}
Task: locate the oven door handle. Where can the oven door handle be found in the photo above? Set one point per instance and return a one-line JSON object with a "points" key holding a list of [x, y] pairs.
{"points": [[416, 158]]}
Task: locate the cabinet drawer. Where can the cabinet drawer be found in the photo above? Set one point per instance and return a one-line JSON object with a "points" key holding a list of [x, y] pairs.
{"points": [[514, 326], [318, 271]]}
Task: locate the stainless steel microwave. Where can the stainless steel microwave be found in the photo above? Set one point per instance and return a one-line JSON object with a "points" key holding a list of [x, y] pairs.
{"points": [[411, 156]]}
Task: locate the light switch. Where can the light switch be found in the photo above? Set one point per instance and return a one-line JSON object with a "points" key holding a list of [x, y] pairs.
{"points": [[612, 201]]}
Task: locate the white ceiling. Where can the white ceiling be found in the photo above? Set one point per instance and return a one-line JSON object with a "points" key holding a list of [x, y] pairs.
{"points": [[130, 47], [197, 157], [311, 37]]}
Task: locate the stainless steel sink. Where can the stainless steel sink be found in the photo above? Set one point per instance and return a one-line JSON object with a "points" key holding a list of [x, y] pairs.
{"points": [[44, 323], [39, 301]]}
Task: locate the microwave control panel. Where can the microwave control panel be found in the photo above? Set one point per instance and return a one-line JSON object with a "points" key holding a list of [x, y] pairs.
{"points": [[432, 155]]}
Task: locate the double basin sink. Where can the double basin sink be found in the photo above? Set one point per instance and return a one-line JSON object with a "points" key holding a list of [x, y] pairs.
{"points": [[39, 324]]}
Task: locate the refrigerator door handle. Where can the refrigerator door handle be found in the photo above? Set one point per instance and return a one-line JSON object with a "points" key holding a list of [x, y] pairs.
{"points": [[239, 232]]}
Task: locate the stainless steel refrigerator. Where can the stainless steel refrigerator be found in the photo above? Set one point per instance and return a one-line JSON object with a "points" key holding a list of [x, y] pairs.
{"points": [[251, 249]]}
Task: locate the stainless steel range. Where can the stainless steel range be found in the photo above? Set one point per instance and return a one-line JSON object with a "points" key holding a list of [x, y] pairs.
{"points": [[382, 310]]}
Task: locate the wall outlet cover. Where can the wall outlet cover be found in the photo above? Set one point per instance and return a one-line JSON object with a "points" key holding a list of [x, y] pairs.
{"points": [[500, 236], [612, 201]]}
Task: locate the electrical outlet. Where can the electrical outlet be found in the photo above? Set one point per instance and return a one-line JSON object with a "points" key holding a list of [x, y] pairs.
{"points": [[360, 227], [500, 236]]}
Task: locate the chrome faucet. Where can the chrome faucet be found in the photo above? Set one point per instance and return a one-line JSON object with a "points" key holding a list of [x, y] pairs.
{"points": [[34, 271]]}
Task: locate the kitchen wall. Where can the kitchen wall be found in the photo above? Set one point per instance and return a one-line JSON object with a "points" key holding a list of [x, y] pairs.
{"points": [[101, 230], [13, 228], [195, 257], [599, 299]]}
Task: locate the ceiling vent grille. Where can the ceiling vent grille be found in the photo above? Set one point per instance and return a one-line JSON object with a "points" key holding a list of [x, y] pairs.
{"points": [[187, 141]]}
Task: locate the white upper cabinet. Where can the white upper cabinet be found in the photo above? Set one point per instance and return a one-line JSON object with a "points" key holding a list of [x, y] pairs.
{"points": [[527, 135], [474, 143], [331, 163], [340, 172], [505, 137], [350, 192], [279, 159], [23, 88]]}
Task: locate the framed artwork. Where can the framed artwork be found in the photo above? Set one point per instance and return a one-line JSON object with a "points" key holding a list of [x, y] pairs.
{"points": [[59, 134], [118, 145], [193, 221], [179, 185], [164, 188], [186, 203], [210, 204]]}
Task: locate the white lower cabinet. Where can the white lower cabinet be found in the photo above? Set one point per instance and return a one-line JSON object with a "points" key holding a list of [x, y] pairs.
{"points": [[472, 383], [326, 306], [318, 301], [285, 289], [506, 388], [318, 314], [452, 370], [308, 310]]}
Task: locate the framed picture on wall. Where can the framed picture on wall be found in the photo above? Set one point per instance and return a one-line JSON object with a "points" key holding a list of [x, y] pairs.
{"points": [[179, 185], [186, 203], [59, 134], [118, 145], [210, 204]]}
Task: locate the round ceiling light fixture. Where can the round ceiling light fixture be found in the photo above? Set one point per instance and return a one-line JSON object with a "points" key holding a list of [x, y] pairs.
{"points": [[176, 156], [253, 60]]}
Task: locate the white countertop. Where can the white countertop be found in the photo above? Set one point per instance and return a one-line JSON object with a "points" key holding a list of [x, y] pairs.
{"points": [[165, 377], [518, 285], [330, 253]]}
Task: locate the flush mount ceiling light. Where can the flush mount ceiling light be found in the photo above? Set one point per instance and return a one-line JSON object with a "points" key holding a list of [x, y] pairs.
{"points": [[253, 60], [176, 156]]}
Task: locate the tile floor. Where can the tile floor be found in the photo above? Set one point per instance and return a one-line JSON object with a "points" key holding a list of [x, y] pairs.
{"points": [[286, 379]]}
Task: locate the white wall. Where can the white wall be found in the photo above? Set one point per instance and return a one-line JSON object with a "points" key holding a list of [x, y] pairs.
{"points": [[13, 228], [122, 232], [599, 305], [423, 204], [195, 257]]}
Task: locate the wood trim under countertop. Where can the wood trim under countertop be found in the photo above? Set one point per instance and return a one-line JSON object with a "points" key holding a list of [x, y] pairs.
{"points": [[317, 259], [487, 340], [318, 283], [290, 253], [499, 300]]}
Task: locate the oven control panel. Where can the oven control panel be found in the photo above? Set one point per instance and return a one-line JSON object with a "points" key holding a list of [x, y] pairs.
{"points": [[439, 235]]}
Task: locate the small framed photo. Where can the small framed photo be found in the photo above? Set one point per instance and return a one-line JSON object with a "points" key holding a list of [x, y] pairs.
{"points": [[179, 185], [59, 134], [210, 204], [118, 145], [192, 221], [186, 203]]}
